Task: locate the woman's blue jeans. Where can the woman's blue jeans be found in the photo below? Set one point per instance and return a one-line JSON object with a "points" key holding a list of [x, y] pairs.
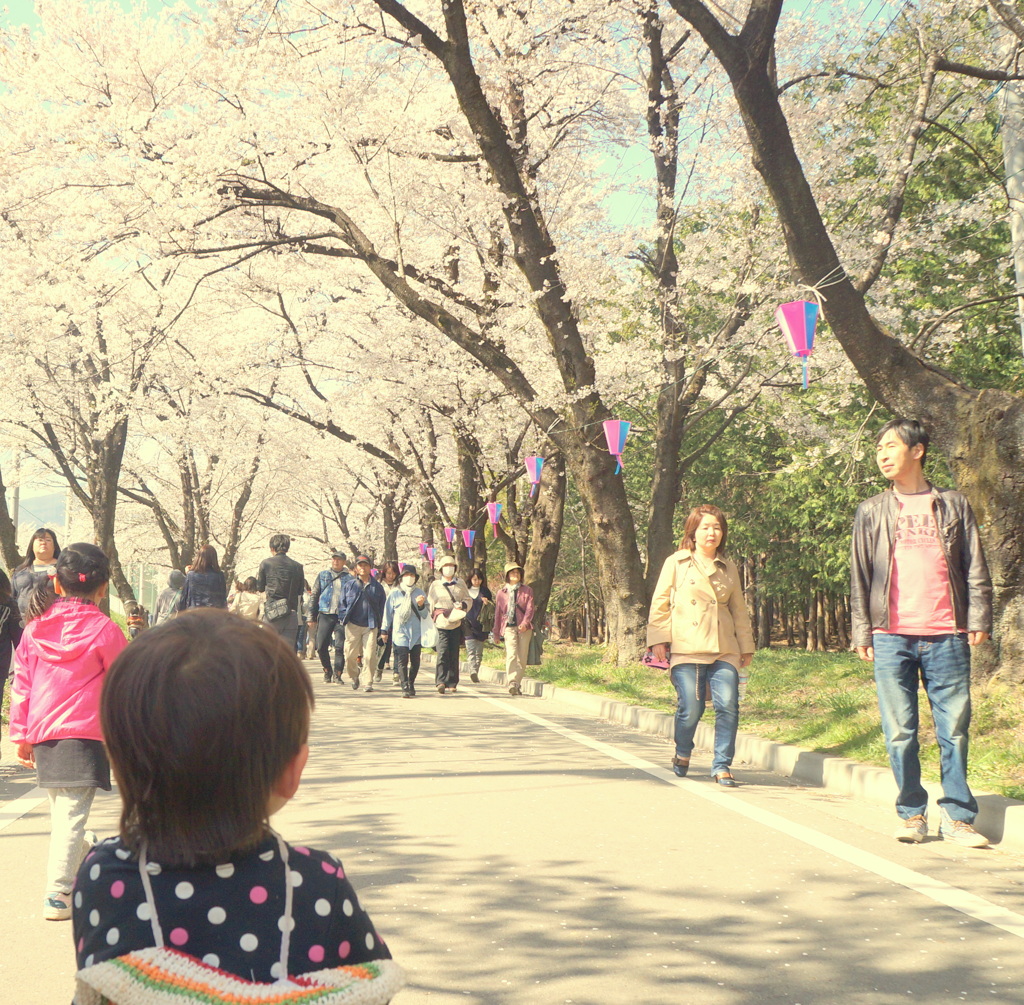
{"points": [[943, 665], [690, 680]]}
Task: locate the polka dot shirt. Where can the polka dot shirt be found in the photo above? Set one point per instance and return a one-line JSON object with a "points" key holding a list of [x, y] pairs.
{"points": [[231, 916]]}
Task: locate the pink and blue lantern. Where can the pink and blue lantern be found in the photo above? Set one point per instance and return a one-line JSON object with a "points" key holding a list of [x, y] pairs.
{"points": [[467, 540], [449, 536], [494, 515], [615, 433], [431, 552], [533, 468], [423, 549], [798, 319]]}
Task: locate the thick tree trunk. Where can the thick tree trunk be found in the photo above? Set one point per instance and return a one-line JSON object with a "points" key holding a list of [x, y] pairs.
{"points": [[613, 540], [391, 527], [980, 432], [546, 537]]}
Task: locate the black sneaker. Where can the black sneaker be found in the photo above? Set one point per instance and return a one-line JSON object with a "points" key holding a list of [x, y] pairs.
{"points": [[355, 683], [475, 677]]}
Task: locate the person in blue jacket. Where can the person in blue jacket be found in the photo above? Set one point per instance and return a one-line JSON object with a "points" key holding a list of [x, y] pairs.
{"points": [[361, 611], [404, 614], [324, 602]]}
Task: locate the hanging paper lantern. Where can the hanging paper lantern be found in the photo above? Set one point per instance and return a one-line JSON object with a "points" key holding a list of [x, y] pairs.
{"points": [[494, 515], [431, 551], [467, 540], [533, 466], [449, 536], [423, 548], [375, 573], [615, 432], [798, 320]]}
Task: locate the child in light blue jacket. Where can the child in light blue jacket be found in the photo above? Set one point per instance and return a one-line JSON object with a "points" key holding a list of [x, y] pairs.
{"points": [[404, 613]]}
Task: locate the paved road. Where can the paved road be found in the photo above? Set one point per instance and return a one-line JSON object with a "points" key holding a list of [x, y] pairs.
{"points": [[514, 851]]}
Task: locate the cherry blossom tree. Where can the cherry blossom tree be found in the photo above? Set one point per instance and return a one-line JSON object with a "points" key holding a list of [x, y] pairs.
{"points": [[980, 431]]}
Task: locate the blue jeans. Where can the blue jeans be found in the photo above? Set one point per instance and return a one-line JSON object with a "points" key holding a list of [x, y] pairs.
{"points": [[689, 680], [943, 664]]}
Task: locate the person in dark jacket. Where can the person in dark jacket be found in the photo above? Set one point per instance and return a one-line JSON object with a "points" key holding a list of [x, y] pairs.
{"points": [[281, 581], [40, 560], [361, 611], [920, 598], [475, 630], [167, 602], [204, 585], [10, 629]]}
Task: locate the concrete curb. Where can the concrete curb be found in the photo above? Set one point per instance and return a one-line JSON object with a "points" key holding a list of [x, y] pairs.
{"points": [[1001, 820]]}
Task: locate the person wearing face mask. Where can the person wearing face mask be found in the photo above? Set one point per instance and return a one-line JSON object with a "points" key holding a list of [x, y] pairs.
{"points": [[404, 613], [513, 622], [700, 627], [449, 600], [476, 629]]}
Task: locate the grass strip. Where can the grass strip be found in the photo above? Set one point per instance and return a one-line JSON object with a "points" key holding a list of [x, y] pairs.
{"points": [[821, 701]]}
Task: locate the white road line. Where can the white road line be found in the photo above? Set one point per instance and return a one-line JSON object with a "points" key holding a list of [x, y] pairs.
{"points": [[17, 808], [942, 893]]}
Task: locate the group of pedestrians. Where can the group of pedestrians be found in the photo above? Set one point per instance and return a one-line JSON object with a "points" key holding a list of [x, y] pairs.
{"points": [[371, 619], [920, 596]]}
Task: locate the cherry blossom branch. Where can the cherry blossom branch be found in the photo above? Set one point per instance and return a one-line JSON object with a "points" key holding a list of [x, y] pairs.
{"points": [[894, 208]]}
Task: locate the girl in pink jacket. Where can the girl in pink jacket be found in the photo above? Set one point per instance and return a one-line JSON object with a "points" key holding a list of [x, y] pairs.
{"points": [[55, 700]]}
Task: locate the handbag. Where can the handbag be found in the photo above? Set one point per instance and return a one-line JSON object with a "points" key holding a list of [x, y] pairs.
{"points": [[277, 608], [649, 660], [452, 618], [158, 975]]}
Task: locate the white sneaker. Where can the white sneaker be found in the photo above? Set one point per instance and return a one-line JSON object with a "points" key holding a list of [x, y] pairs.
{"points": [[913, 830], [57, 907], [960, 832]]}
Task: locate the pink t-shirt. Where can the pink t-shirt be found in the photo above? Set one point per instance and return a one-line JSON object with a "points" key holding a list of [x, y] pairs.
{"points": [[920, 602]]}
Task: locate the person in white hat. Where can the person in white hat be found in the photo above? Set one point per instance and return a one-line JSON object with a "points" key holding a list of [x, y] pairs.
{"points": [[449, 600], [513, 623]]}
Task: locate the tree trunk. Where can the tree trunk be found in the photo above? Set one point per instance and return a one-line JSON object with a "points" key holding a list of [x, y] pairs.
{"points": [[102, 476], [472, 515], [546, 538], [238, 512], [981, 433], [8, 531]]}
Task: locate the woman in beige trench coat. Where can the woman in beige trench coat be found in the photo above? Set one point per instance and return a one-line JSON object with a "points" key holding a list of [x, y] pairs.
{"points": [[699, 625]]}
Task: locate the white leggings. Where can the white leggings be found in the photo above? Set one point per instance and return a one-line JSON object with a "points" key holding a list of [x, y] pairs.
{"points": [[69, 811]]}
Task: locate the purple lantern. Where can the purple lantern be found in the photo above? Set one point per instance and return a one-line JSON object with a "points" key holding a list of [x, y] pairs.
{"points": [[467, 540], [449, 536], [798, 320], [615, 432], [494, 515], [533, 466], [423, 548]]}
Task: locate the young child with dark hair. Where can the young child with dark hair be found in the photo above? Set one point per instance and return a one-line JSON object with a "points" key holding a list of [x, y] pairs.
{"points": [[206, 720], [65, 650]]}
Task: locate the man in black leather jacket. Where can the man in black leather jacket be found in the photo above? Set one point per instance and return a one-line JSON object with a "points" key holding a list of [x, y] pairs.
{"points": [[281, 579], [920, 596]]}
